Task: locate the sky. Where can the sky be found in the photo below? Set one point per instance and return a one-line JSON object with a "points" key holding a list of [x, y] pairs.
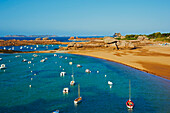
{"points": [[83, 17]]}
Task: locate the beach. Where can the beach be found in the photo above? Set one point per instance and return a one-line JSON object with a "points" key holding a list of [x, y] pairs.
{"points": [[150, 59], [153, 59]]}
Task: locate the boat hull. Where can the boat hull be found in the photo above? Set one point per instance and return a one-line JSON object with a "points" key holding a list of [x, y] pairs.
{"points": [[72, 83], [129, 104], [77, 100]]}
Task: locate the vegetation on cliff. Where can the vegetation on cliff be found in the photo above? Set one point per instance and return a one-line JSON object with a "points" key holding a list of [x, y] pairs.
{"points": [[156, 36]]}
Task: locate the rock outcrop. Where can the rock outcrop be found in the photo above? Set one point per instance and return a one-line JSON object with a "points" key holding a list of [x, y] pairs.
{"points": [[71, 44], [117, 35], [45, 38], [38, 39], [109, 40], [142, 38]]}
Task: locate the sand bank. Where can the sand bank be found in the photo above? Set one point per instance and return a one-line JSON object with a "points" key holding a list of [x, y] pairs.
{"points": [[154, 60]]}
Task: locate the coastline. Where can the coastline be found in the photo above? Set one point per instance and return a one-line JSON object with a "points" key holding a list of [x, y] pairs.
{"points": [[149, 59], [149, 64], [164, 77]]}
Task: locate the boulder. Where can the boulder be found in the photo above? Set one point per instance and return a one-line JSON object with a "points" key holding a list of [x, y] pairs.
{"points": [[71, 44], [142, 38], [38, 39], [126, 44], [45, 38], [109, 40], [78, 45]]}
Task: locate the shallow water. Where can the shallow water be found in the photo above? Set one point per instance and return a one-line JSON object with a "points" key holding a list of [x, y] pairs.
{"points": [[149, 93]]}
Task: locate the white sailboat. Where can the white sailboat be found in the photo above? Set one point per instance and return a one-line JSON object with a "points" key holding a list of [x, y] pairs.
{"points": [[72, 83], [129, 103], [62, 74], [79, 99], [56, 111], [87, 71], [2, 66], [65, 90], [78, 65]]}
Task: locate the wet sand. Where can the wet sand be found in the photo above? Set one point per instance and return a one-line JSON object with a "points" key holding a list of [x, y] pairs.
{"points": [[154, 60]]}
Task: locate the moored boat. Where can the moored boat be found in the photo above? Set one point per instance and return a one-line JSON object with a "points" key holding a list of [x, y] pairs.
{"points": [[78, 65], [18, 56], [70, 63], [56, 111], [24, 60], [29, 62], [2, 66], [87, 71], [35, 55], [62, 73], [43, 60], [110, 83], [65, 90], [129, 103], [72, 83], [79, 99]]}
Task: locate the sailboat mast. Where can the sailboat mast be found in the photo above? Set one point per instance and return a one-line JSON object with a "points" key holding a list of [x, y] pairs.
{"points": [[72, 70], [129, 90], [79, 90], [72, 74]]}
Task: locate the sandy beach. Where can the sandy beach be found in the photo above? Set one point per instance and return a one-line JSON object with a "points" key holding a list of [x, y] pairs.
{"points": [[154, 60]]}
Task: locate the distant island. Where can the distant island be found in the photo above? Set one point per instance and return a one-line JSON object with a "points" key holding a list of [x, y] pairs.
{"points": [[31, 36]]}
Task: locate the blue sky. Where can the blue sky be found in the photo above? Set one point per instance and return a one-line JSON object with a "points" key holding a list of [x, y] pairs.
{"points": [[83, 17]]}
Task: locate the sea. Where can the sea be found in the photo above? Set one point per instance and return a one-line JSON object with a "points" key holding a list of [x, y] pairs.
{"points": [[37, 87]]}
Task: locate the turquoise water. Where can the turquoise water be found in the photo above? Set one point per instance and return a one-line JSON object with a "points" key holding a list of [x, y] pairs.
{"points": [[150, 94]]}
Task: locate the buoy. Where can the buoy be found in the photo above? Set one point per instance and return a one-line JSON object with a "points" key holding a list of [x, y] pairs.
{"points": [[35, 74], [29, 67], [97, 71], [9, 61], [72, 75], [60, 66], [31, 78], [63, 69], [30, 86], [31, 71], [105, 75]]}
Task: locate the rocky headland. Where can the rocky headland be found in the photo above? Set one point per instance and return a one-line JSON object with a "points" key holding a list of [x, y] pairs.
{"points": [[43, 41]]}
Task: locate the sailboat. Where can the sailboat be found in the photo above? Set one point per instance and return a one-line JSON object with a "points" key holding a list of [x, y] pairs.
{"points": [[129, 103], [72, 83], [79, 99]]}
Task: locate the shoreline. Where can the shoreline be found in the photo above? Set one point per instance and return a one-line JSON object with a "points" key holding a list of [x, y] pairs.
{"points": [[152, 60], [156, 65], [163, 77]]}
